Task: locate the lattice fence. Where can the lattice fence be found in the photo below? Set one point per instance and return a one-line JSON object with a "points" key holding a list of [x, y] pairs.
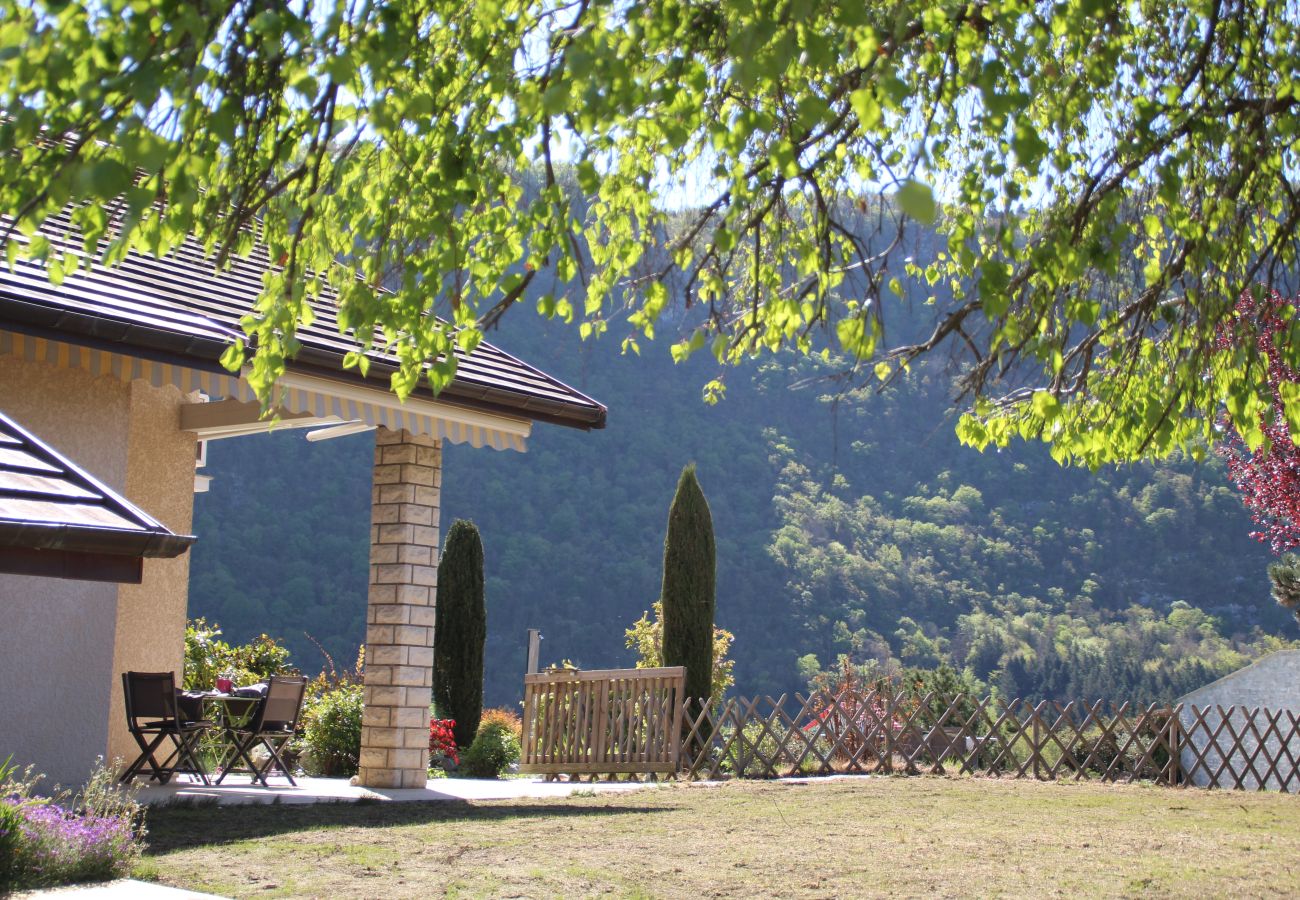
{"points": [[878, 730]]}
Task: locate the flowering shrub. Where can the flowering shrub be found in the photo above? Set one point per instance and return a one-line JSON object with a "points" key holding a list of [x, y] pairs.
{"points": [[442, 744], [1264, 465], [95, 836], [848, 712], [507, 719]]}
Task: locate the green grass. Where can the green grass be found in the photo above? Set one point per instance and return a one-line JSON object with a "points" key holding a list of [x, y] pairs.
{"points": [[912, 836]]}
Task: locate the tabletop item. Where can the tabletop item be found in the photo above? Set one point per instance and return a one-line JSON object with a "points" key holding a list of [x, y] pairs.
{"points": [[224, 683]]}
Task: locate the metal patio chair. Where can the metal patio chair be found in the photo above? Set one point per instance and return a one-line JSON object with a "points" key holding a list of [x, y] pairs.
{"points": [[272, 726], [154, 718]]}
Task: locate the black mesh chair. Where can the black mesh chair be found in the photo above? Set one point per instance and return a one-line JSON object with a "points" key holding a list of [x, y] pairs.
{"points": [[156, 720], [272, 726]]}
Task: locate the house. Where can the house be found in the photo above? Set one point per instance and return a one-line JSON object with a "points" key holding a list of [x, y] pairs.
{"points": [[116, 372], [1233, 728]]}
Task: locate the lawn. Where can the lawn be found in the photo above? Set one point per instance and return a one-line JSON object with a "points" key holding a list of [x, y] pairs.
{"points": [[870, 836]]}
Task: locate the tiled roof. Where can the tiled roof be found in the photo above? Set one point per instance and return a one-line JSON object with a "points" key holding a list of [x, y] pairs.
{"points": [[47, 502], [178, 308]]}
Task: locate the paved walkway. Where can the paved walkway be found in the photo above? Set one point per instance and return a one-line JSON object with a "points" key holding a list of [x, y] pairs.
{"points": [[339, 790]]}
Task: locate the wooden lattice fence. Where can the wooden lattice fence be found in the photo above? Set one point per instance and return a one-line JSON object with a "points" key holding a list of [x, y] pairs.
{"points": [[603, 722], [879, 730]]}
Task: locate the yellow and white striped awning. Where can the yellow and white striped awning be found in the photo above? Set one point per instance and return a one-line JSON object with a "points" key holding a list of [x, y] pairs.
{"points": [[295, 393]]}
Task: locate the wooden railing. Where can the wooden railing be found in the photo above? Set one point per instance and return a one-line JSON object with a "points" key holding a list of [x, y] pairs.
{"points": [[603, 722], [879, 730]]}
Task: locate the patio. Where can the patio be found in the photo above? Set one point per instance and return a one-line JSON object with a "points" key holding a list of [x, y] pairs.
{"points": [[340, 790]]}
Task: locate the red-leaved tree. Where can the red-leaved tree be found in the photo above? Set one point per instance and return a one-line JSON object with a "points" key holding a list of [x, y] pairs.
{"points": [[1268, 477]]}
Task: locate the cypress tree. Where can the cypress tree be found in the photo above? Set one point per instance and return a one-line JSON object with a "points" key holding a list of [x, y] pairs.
{"points": [[460, 629], [688, 586]]}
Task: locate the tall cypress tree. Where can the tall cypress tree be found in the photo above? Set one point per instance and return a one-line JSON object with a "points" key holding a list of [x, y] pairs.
{"points": [[688, 586], [460, 629]]}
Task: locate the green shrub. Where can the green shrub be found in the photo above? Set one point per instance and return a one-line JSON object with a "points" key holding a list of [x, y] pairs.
{"points": [[748, 755], [11, 822], [495, 747], [332, 732], [207, 656]]}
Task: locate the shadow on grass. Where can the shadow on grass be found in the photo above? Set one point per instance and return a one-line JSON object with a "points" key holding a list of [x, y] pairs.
{"points": [[183, 827]]}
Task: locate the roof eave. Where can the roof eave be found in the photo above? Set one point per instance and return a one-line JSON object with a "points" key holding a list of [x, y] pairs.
{"points": [[87, 539], [161, 345], [461, 393]]}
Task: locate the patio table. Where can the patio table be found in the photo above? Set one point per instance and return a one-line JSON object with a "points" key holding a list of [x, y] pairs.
{"points": [[229, 712]]}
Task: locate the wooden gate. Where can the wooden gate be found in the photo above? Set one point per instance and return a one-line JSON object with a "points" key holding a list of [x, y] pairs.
{"points": [[603, 722]]}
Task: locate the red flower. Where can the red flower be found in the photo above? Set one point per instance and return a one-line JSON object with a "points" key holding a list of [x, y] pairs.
{"points": [[442, 742]]}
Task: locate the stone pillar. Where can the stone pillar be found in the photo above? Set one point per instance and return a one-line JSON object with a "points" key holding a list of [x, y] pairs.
{"points": [[399, 618]]}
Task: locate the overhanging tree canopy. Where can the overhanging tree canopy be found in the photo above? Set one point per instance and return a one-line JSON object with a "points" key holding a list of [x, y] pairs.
{"points": [[1107, 178]]}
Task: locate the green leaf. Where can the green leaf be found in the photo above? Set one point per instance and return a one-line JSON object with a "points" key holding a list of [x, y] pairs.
{"points": [[866, 108], [105, 179], [1046, 406], [1290, 394], [917, 200], [232, 359]]}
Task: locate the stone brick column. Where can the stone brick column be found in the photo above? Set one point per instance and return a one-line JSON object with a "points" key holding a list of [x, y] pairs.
{"points": [[399, 618]]}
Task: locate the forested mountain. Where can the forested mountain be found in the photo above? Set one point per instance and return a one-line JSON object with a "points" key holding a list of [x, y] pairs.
{"points": [[848, 522]]}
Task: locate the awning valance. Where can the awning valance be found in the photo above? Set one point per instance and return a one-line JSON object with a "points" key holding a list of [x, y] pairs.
{"points": [[295, 393]]}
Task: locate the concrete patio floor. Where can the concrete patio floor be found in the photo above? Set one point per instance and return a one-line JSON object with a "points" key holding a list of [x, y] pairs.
{"points": [[339, 790]]}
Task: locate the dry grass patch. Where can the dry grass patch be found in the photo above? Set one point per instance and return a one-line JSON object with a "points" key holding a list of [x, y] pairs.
{"points": [[852, 837]]}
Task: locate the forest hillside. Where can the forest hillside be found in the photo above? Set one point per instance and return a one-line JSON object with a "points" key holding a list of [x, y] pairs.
{"points": [[849, 523]]}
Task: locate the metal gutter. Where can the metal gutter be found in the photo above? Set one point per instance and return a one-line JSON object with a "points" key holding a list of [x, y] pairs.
{"points": [[86, 539]]}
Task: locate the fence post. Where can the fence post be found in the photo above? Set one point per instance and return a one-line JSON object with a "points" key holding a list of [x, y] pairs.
{"points": [[534, 651], [1034, 749], [888, 729], [1175, 754]]}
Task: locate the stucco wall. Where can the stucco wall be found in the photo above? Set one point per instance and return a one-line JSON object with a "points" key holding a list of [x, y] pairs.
{"points": [[63, 643], [1271, 683], [150, 632]]}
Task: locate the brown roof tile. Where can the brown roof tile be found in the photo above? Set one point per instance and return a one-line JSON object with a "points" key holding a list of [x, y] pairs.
{"points": [[179, 307]]}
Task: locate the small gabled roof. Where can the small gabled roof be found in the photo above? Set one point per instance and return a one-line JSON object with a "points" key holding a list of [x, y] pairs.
{"points": [[1275, 667], [178, 309], [57, 519]]}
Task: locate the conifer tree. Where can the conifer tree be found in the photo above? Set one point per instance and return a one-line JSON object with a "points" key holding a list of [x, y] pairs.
{"points": [[1285, 577], [688, 586], [460, 631]]}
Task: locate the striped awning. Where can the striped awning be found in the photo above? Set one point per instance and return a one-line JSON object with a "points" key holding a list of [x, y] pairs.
{"points": [[295, 393]]}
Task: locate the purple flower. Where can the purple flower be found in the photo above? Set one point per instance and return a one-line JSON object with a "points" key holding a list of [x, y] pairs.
{"points": [[57, 846]]}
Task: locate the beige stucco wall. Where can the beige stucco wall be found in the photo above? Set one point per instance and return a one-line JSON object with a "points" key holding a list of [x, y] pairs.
{"points": [[150, 633], [63, 644]]}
